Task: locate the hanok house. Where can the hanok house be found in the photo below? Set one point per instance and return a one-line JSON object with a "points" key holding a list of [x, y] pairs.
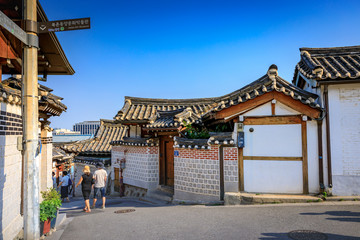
{"points": [[95, 150], [334, 75], [51, 60], [269, 143]]}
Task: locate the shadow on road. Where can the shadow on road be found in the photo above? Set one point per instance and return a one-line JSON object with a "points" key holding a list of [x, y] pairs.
{"points": [[343, 216], [285, 236], [74, 208]]}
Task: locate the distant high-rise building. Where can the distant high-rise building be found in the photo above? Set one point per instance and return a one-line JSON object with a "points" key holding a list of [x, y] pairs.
{"points": [[86, 127]]}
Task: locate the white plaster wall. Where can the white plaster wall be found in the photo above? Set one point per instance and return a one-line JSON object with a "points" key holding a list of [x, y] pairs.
{"points": [[273, 140], [313, 162], [273, 176], [263, 110], [11, 221], [344, 108], [282, 109]]}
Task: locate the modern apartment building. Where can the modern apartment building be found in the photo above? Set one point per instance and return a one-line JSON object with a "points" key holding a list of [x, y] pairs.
{"points": [[86, 127]]}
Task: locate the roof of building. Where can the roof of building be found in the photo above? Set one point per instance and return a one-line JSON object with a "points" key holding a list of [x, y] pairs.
{"points": [[267, 83], [171, 113], [141, 142], [325, 64], [59, 154], [51, 57], [108, 131], [10, 90]]}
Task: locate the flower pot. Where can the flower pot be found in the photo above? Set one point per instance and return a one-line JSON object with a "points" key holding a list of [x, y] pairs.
{"points": [[53, 221], [47, 226]]}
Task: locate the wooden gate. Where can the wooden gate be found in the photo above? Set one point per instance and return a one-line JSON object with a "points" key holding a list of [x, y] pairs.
{"points": [[166, 161]]}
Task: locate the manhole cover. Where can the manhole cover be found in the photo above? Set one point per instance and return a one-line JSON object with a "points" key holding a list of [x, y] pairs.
{"points": [[306, 235], [125, 211]]}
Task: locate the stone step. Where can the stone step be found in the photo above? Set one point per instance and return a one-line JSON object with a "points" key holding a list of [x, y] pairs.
{"points": [[61, 217], [161, 195]]}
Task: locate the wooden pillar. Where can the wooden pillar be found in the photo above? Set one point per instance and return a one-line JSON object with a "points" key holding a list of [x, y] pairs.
{"points": [[241, 169], [304, 158]]}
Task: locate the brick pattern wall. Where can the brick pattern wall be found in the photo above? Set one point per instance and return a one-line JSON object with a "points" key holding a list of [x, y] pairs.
{"points": [[10, 121], [10, 172], [197, 171], [142, 164], [231, 164]]}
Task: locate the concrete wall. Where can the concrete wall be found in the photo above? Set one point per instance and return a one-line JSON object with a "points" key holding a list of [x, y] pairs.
{"points": [[197, 174], [11, 222], [142, 165], [231, 175], [344, 109]]}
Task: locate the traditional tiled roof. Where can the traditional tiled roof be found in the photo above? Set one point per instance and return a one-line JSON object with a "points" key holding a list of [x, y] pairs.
{"points": [[216, 138], [180, 142], [326, 64], [108, 131], [49, 103], [59, 154], [141, 142], [92, 160], [146, 109], [173, 119], [170, 113], [221, 138], [267, 83]]}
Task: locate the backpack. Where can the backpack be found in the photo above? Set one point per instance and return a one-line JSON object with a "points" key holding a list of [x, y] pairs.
{"points": [[69, 182]]}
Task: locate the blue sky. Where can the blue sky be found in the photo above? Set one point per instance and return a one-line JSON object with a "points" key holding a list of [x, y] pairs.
{"points": [[185, 49]]}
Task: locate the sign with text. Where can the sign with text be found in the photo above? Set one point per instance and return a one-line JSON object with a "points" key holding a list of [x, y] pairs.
{"points": [[241, 139], [13, 28], [64, 25]]}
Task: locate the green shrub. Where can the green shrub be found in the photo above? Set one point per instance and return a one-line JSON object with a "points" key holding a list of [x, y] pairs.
{"points": [[195, 132], [53, 195], [50, 204]]}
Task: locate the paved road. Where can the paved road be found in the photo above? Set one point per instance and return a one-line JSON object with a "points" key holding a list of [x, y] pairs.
{"points": [[156, 221]]}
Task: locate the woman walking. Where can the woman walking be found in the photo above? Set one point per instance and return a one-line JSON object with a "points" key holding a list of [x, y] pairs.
{"points": [[86, 182], [64, 186]]}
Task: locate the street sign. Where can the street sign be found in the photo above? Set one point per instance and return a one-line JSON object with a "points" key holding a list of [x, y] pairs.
{"points": [[64, 25], [13, 28]]}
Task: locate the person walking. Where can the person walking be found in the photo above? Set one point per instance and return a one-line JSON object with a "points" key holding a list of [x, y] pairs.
{"points": [[86, 182], [54, 180], [64, 184], [100, 177]]}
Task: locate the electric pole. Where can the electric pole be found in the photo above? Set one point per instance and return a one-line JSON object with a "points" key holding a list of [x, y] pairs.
{"points": [[30, 114]]}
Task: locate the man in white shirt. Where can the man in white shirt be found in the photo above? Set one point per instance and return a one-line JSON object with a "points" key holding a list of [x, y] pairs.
{"points": [[100, 177]]}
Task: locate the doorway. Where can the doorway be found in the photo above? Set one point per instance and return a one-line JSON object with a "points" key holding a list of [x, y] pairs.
{"points": [[166, 161]]}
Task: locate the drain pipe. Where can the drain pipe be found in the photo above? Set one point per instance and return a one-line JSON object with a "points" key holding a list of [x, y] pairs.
{"points": [[328, 144], [221, 160], [320, 154]]}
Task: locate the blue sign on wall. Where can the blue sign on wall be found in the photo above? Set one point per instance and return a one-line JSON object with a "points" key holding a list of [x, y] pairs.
{"points": [[241, 139], [176, 153]]}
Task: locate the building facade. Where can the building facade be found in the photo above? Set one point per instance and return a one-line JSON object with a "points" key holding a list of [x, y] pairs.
{"points": [[11, 126], [334, 75], [262, 138], [87, 127]]}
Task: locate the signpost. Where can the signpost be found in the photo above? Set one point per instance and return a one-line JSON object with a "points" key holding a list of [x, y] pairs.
{"points": [[64, 25], [13, 28], [29, 97]]}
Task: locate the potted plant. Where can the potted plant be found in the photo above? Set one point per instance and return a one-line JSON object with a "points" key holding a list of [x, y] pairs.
{"points": [[49, 209]]}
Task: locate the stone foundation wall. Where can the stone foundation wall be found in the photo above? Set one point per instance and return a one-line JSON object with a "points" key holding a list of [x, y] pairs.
{"points": [[11, 222], [142, 165], [197, 174], [231, 179]]}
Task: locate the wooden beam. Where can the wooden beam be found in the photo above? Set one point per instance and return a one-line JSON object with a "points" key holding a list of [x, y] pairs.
{"points": [[273, 109], [233, 111], [297, 105], [304, 158], [272, 158], [272, 120], [244, 106], [241, 169]]}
